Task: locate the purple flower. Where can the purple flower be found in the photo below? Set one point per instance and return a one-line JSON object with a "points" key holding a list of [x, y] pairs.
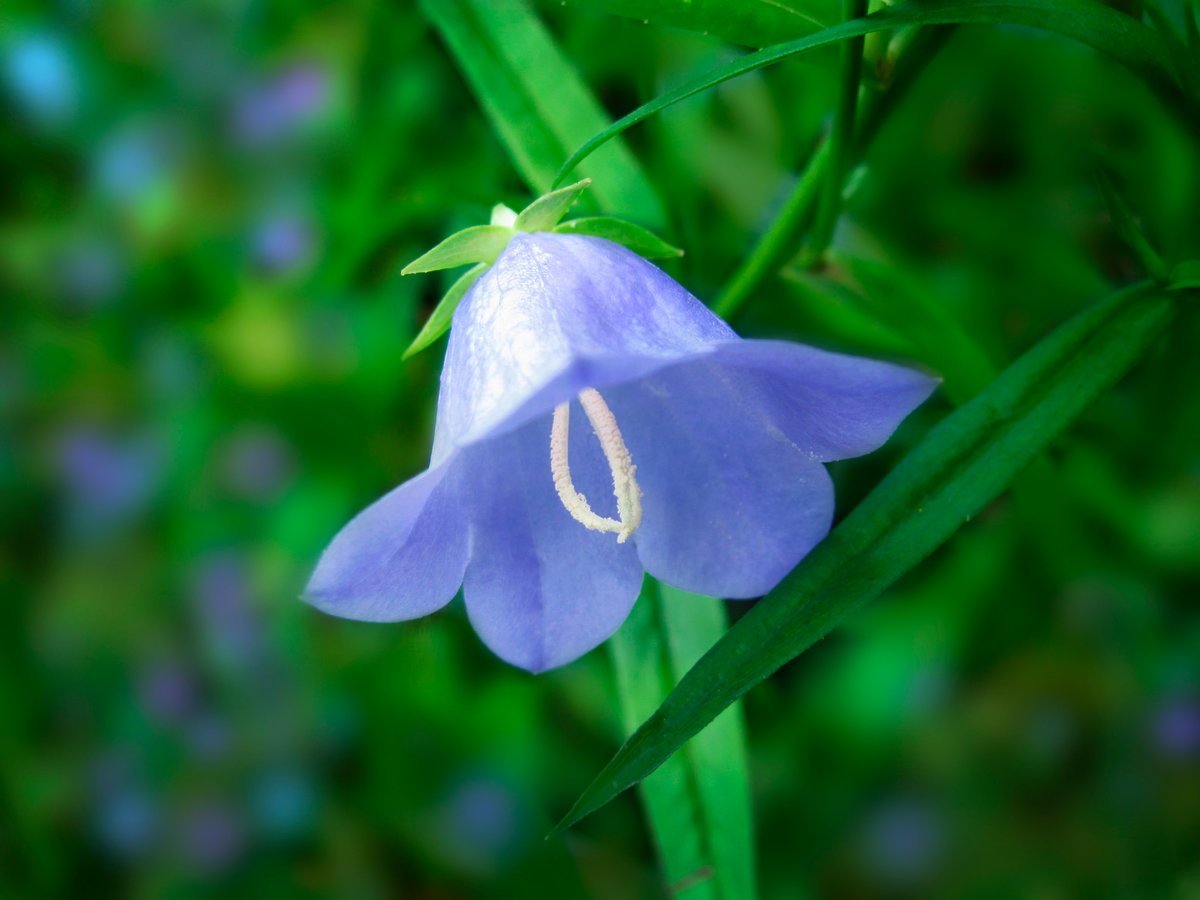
{"points": [[212, 835], [107, 479], [41, 76], [903, 841], [712, 446], [257, 463], [283, 242], [1176, 728], [276, 108]]}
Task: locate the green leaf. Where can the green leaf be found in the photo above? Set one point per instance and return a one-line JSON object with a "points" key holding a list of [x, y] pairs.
{"points": [[903, 304], [752, 24], [1185, 276], [547, 210], [438, 322], [1119, 36], [1128, 227], [698, 803], [536, 102], [835, 313], [639, 240], [960, 467], [477, 244]]}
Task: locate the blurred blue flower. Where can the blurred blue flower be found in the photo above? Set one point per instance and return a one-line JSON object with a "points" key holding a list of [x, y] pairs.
{"points": [[257, 463], [135, 160], [209, 737], [212, 835], [712, 446], [284, 803], [89, 272], [41, 77], [125, 816], [483, 815], [222, 597], [1177, 728], [127, 823], [276, 108], [283, 243], [107, 479], [168, 691], [902, 842], [480, 825]]}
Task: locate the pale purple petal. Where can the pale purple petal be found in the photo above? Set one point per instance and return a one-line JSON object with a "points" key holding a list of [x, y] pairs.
{"points": [[541, 590], [832, 405], [400, 558], [728, 437], [554, 306], [730, 503]]}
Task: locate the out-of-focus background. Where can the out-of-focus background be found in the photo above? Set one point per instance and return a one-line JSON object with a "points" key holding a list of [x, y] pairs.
{"points": [[205, 207]]}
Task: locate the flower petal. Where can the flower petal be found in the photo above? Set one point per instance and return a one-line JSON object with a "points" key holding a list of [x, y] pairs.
{"points": [[552, 304], [541, 590], [832, 405], [730, 503], [400, 558]]}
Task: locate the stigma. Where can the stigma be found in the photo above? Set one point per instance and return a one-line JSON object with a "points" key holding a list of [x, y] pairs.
{"points": [[620, 465]]}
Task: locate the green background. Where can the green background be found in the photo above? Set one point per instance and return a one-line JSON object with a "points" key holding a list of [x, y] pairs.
{"points": [[205, 209]]}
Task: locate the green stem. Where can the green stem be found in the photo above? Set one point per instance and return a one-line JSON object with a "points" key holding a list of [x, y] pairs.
{"points": [[841, 138], [776, 244]]}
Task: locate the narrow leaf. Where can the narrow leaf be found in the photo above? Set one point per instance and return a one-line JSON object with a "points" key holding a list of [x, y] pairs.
{"points": [[438, 322], [639, 240], [1185, 276], [547, 210], [1129, 229], [752, 24], [477, 244], [903, 304], [536, 102], [961, 466], [698, 803], [1119, 36]]}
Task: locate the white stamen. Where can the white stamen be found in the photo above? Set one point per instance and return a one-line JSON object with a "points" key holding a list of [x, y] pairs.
{"points": [[620, 464]]}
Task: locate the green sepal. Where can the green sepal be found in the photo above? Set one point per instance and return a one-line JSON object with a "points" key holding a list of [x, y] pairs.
{"points": [[477, 244], [547, 210], [438, 322], [639, 240]]}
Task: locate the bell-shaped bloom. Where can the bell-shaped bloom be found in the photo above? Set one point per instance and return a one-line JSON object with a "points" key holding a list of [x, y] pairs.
{"points": [[596, 421]]}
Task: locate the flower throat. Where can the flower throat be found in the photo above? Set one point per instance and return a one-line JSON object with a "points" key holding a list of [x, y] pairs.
{"points": [[620, 464]]}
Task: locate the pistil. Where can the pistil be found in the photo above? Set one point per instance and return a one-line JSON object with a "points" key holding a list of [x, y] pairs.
{"points": [[620, 465]]}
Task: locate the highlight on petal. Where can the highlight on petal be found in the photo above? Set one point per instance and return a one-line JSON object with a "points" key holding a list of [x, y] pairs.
{"points": [[832, 405], [551, 303], [699, 461], [730, 503], [400, 558], [541, 590]]}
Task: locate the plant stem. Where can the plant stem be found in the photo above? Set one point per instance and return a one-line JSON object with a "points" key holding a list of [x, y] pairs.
{"points": [[841, 138], [774, 247], [776, 244]]}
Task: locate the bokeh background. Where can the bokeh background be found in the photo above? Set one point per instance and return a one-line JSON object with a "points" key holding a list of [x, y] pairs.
{"points": [[205, 206]]}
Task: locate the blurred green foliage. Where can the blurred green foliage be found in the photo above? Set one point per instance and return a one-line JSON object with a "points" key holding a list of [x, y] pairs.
{"points": [[206, 207]]}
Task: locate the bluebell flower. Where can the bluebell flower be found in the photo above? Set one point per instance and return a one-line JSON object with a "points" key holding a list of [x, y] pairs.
{"points": [[277, 108], [596, 421], [42, 77]]}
